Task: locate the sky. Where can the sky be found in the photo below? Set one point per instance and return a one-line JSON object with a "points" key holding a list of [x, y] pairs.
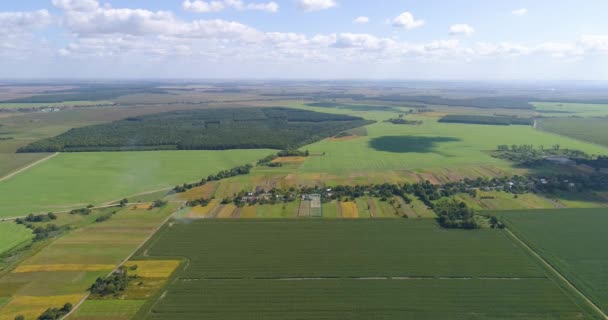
{"points": [[307, 39]]}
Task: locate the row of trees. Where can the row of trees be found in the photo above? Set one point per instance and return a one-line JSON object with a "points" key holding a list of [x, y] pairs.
{"points": [[236, 171], [487, 120]]}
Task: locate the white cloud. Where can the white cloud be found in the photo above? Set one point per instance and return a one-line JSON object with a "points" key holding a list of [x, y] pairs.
{"points": [[200, 6], [316, 5], [13, 22], [520, 12], [361, 20], [461, 30], [597, 43], [268, 6], [406, 20]]}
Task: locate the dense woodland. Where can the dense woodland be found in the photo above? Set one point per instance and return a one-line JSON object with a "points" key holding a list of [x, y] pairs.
{"points": [[488, 120], [211, 129]]}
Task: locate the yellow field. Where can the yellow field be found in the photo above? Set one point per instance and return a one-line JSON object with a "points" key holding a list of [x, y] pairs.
{"points": [[248, 212], [154, 268], [205, 191], [349, 210], [31, 307], [63, 267], [226, 211], [202, 212], [289, 160], [141, 206]]}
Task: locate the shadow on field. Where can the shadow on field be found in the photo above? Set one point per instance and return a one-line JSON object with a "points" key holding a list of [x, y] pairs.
{"points": [[405, 144]]}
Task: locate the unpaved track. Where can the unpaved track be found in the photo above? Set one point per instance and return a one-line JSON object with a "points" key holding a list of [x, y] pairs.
{"points": [[12, 174], [559, 275], [121, 263]]}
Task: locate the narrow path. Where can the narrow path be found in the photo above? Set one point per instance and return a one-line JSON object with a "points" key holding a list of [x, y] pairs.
{"points": [[559, 275], [121, 263], [10, 175]]}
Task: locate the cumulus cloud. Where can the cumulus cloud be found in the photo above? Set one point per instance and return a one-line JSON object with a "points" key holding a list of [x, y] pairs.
{"points": [[200, 6], [11, 22], [597, 43], [316, 5], [520, 12], [461, 30], [361, 20], [406, 20]]}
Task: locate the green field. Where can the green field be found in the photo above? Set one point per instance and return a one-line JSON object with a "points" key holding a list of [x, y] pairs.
{"points": [[590, 130], [563, 109], [25, 105], [351, 269], [13, 235], [573, 241], [431, 146], [108, 309], [77, 179], [62, 271]]}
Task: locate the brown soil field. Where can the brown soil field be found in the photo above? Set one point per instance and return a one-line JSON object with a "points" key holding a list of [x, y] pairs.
{"points": [[289, 160]]}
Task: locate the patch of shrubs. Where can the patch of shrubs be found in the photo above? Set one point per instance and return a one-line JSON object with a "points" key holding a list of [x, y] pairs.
{"points": [[113, 285], [453, 214], [56, 313]]}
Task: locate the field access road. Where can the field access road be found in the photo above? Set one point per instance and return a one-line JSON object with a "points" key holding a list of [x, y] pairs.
{"points": [[10, 175], [556, 273]]}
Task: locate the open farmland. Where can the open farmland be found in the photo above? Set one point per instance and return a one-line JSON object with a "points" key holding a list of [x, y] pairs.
{"points": [[39, 105], [564, 109], [328, 269], [572, 241], [76, 179], [12, 235], [586, 129], [62, 271], [440, 148]]}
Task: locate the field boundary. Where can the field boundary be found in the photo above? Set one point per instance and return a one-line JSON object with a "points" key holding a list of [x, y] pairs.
{"points": [[14, 173], [122, 262], [556, 273], [539, 128]]}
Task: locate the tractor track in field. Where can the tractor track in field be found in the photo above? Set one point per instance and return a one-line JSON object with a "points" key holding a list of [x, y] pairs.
{"points": [[121, 263], [321, 278], [554, 271], [14, 173]]}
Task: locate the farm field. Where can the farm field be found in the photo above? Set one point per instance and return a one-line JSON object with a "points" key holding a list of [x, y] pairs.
{"points": [[429, 147], [592, 130], [13, 235], [390, 269], [37, 105], [77, 179], [563, 109], [572, 241], [62, 271]]}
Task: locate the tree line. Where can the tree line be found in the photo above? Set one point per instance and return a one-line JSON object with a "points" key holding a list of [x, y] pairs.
{"points": [[207, 129]]}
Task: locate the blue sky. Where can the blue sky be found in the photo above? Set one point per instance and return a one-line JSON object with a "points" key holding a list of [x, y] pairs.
{"points": [[428, 39]]}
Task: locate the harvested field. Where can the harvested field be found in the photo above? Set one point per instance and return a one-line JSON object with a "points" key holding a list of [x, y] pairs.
{"points": [[289, 159], [141, 206], [63, 267], [33, 306], [349, 210], [203, 212], [226, 211], [154, 268]]}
